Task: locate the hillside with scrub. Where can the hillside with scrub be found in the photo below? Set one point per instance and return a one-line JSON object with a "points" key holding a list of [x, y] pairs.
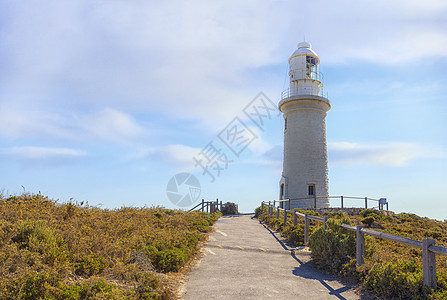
{"points": [[51, 250], [391, 270]]}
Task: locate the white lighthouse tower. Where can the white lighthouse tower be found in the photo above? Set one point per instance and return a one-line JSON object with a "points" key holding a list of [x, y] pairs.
{"points": [[305, 166]]}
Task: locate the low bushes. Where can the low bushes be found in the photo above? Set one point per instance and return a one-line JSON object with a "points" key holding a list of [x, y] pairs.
{"points": [[396, 280], [333, 247], [229, 208], [75, 251], [391, 270], [43, 285]]}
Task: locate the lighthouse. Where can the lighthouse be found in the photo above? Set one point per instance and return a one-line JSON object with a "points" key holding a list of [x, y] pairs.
{"points": [[304, 177]]}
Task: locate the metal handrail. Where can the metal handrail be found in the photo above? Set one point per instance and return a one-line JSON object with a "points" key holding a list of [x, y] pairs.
{"points": [[299, 91]]}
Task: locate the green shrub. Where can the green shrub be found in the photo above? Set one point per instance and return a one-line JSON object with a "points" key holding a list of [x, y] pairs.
{"points": [[296, 236], [169, 260], [30, 286], [201, 225], [90, 265], [331, 249], [434, 233], [36, 236], [229, 208], [259, 210], [338, 214], [396, 280], [368, 221], [370, 212], [407, 217], [148, 286]]}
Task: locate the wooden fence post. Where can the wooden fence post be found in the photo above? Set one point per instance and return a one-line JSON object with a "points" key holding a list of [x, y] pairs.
{"points": [[289, 205], [360, 248], [428, 263], [366, 202], [277, 212], [341, 201], [306, 229], [295, 219], [285, 218], [203, 208]]}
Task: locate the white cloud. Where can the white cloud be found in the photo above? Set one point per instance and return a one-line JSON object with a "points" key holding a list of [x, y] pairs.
{"points": [[33, 123], [107, 124], [394, 154], [113, 125], [42, 153], [180, 156], [184, 59], [381, 32], [201, 61]]}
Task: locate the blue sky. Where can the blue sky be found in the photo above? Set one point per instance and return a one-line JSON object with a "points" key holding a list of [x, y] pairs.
{"points": [[105, 101]]}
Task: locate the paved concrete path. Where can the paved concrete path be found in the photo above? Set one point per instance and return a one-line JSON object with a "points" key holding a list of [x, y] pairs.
{"points": [[245, 260]]}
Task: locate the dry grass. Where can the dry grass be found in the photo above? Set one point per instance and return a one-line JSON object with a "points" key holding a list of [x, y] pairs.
{"points": [[76, 251]]}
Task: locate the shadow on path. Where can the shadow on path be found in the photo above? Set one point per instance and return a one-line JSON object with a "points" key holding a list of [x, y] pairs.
{"points": [[306, 270]]}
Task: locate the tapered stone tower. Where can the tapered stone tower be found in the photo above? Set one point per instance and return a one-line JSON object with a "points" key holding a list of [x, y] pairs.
{"points": [[305, 166]]}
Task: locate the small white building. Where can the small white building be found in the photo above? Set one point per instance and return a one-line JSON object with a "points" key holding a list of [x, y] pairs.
{"points": [[304, 178]]}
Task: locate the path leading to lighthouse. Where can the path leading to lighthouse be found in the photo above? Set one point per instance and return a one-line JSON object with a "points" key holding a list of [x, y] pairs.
{"points": [[245, 260]]}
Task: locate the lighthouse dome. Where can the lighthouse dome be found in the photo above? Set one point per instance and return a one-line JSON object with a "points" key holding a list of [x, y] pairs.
{"points": [[304, 48]]}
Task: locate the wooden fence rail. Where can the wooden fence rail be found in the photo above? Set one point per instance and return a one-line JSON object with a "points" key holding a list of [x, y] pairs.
{"points": [[209, 206], [381, 203], [429, 249]]}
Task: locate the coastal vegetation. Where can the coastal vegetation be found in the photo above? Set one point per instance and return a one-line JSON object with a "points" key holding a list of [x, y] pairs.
{"points": [[51, 250], [391, 270]]}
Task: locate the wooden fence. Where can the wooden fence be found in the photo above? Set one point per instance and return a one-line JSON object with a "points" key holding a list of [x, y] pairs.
{"points": [[208, 206], [381, 203], [429, 249]]}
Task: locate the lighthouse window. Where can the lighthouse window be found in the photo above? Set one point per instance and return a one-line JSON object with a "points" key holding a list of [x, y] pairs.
{"points": [[311, 67], [311, 188], [311, 60], [285, 124]]}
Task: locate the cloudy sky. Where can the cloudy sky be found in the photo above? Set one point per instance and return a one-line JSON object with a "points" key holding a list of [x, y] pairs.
{"points": [[105, 101]]}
